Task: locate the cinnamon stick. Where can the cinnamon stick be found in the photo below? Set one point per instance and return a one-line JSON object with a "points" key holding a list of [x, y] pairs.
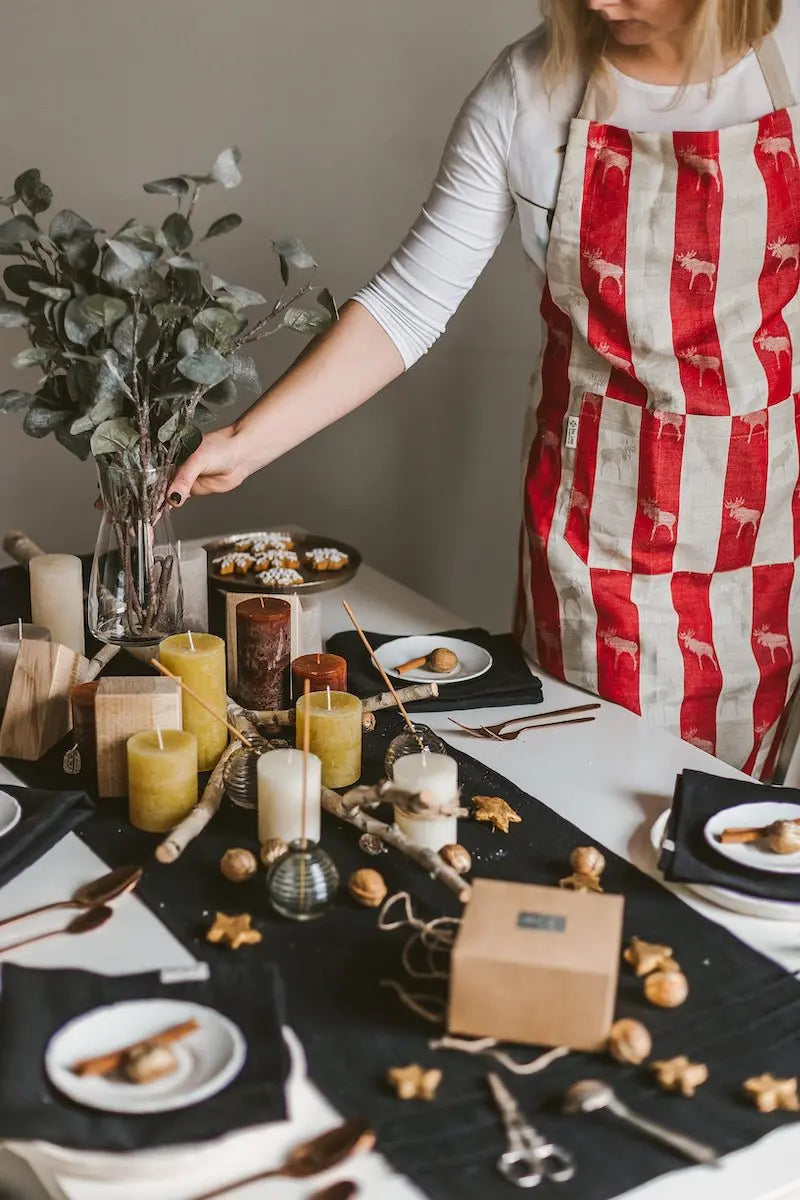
{"points": [[748, 833], [413, 664], [103, 1063]]}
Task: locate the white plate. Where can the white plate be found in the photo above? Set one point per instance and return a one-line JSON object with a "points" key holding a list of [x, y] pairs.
{"points": [[472, 660], [207, 1060], [10, 813], [738, 902], [754, 854]]}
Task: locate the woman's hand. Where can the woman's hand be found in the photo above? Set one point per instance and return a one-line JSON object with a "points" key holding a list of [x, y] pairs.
{"points": [[217, 465]]}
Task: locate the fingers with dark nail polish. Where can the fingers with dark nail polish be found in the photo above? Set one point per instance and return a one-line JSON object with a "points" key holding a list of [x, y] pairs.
{"points": [[175, 498]]}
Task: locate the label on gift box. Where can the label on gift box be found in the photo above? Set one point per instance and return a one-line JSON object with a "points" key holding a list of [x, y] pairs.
{"points": [[537, 965]]}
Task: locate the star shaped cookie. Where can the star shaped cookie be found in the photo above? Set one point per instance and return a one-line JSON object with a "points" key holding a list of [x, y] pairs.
{"points": [[679, 1074], [494, 810], [236, 931], [645, 957], [770, 1094], [415, 1082]]}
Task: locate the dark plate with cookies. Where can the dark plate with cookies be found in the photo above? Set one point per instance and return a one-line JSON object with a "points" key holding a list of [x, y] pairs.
{"points": [[280, 560]]}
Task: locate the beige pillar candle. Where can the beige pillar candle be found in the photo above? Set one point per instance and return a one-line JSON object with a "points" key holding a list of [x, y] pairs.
{"points": [[280, 796], [199, 660], [57, 598], [162, 778], [436, 774], [10, 636], [335, 734]]}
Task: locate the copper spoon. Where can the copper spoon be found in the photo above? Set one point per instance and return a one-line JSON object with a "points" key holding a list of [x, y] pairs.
{"points": [[89, 895], [85, 922], [312, 1157], [345, 1189]]}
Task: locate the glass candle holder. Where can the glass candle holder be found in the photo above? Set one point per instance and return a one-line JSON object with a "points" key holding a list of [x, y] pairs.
{"points": [[240, 773], [409, 743], [303, 883], [335, 734]]}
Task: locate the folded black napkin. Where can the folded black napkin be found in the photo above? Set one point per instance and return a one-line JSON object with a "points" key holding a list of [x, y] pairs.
{"points": [[34, 1004], [508, 680], [698, 797], [46, 817]]}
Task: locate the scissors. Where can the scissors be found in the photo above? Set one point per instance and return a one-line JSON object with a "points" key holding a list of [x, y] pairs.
{"points": [[529, 1158]]}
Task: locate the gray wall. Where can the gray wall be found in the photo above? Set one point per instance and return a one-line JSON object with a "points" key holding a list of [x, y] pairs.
{"points": [[341, 108]]}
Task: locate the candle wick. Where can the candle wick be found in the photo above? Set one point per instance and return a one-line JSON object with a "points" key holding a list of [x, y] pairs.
{"points": [[19, 628], [328, 693], [191, 640], [306, 746], [160, 738], [179, 548], [261, 598]]}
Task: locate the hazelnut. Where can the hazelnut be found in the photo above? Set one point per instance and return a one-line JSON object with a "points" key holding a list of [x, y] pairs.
{"points": [[272, 850], [442, 660], [629, 1041], [457, 857], [587, 860], [367, 887], [783, 837], [237, 864], [370, 843], [368, 722], [148, 1062], [666, 989]]}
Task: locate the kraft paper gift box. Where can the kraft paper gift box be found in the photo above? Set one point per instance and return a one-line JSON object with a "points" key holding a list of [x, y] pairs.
{"points": [[537, 965]]}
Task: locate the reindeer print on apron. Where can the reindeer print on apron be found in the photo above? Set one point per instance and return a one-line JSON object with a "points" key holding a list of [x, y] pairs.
{"points": [[662, 483]]}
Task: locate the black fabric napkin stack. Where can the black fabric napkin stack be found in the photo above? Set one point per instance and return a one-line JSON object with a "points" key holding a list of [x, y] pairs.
{"points": [[508, 680], [698, 797], [34, 1004], [46, 818]]}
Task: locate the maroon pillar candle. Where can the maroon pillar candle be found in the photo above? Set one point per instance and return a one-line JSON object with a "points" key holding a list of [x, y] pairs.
{"points": [[263, 652], [321, 670], [84, 728]]}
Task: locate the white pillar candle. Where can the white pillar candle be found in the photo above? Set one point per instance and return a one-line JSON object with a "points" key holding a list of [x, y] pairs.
{"points": [[57, 598], [436, 774], [310, 640], [280, 796], [9, 649], [194, 578]]}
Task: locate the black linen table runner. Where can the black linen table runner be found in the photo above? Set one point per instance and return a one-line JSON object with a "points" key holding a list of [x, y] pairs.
{"points": [[698, 797], [46, 817]]}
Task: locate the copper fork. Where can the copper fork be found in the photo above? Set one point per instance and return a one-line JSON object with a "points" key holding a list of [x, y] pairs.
{"points": [[495, 731]]}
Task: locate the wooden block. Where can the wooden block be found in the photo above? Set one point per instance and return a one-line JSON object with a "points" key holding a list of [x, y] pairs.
{"points": [[38, 713], [234, 598], [122, 707]]}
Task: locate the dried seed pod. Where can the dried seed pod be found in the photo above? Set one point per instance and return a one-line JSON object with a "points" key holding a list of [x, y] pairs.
{"points": [[783, 837], [370, 843], [272, 850], [587, 860], [629, 1041], [237, 864], [666, 989], [442, 660], [457, 857], [148, 1062], [367, 887]]}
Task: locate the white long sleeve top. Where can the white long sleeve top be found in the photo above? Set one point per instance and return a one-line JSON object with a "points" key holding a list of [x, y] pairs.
{"points": [[504, 155]]}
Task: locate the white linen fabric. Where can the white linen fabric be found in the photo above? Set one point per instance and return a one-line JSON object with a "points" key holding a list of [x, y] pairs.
{"points": [[505, 154]]}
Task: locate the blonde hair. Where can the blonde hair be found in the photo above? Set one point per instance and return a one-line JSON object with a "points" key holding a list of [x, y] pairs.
{"points": [[720, 31]]}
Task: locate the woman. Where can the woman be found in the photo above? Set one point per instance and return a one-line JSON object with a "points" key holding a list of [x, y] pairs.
{"points": [[661, 506]]}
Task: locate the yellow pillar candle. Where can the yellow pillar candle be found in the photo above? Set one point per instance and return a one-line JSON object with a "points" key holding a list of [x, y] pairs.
{"points": [[335, 734], [162, 778], [199, 660]]}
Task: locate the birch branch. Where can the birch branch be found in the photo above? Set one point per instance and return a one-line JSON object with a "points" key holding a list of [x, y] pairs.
{"points": [[285, 717], [429, 860], [387, 792], [20, 547]]}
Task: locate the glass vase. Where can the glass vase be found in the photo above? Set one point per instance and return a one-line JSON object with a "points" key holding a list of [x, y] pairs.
{"points": [[135, 593]]}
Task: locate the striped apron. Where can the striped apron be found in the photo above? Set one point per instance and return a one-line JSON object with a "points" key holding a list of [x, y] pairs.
{"points": [[661, 484]]}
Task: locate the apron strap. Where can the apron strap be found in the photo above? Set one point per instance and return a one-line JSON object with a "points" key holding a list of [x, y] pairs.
{"points": [[769, 59]]}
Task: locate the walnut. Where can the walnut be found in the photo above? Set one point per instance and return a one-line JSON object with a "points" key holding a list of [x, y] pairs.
{"points": [[629, 1041], [783, 837], [666, 988], [370, 843], [237, 864], [580, 883], [457, 857], [367, 887], [645, 957], [415, 1082], [679, 1074], [148, 1062], [442, 660], [587, 860], [272, 850], [770, 1094]]}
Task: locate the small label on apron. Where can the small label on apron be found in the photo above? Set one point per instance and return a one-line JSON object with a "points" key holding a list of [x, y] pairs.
{"points": [[571, 436]]}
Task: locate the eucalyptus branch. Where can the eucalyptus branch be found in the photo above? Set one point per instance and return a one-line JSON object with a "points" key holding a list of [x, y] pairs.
{"points": [[255, 331]]}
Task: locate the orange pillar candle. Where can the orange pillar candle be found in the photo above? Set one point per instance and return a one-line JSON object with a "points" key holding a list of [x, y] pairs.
{"points": [[321, 670], [263, 652]]}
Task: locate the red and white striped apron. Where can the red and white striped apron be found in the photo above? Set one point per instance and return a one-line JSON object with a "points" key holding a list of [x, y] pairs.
{"points": [[661, 497]]}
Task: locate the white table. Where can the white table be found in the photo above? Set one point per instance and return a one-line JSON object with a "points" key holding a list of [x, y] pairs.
{"points": [[611, 778]]}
